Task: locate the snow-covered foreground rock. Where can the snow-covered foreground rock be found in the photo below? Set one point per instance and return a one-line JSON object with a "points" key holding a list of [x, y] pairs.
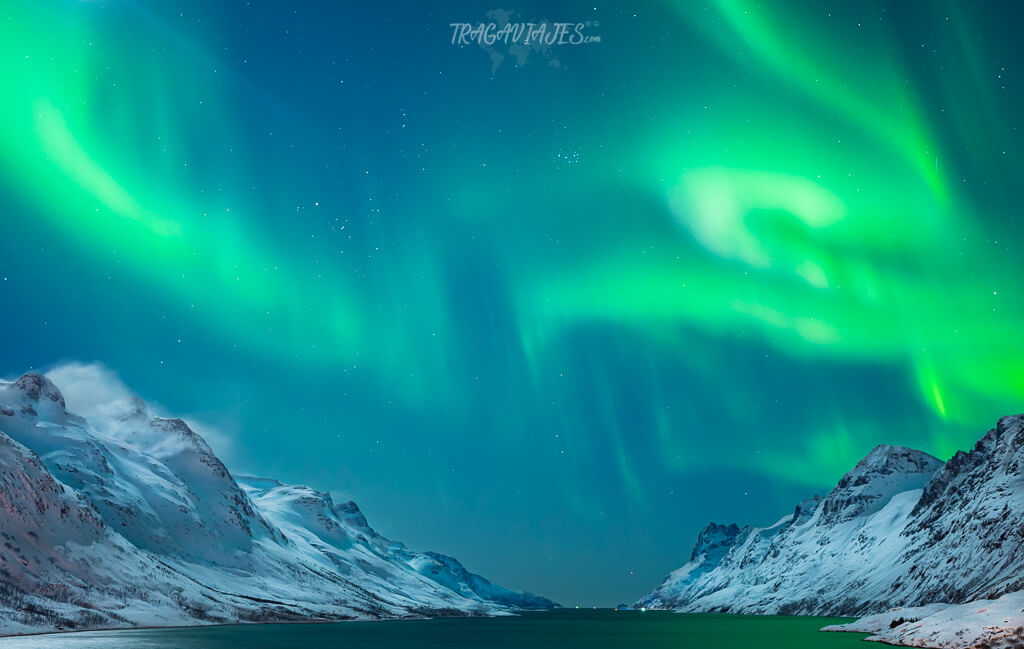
{"points": [[129, 519], [996, 624], [902, 529]]}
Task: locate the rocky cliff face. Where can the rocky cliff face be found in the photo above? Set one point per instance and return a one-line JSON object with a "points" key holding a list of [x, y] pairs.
{"points": [[900, 529], [133, 520]]}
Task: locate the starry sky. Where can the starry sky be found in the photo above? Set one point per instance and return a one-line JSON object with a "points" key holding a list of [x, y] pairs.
{"points": [[548, 309]]}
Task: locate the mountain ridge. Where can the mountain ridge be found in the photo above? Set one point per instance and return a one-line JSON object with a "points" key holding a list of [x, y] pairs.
{"points": [[132, 520], [901, 530]]}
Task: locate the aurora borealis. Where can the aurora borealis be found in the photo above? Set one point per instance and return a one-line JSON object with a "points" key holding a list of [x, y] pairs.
{"points": [[550, 319]]}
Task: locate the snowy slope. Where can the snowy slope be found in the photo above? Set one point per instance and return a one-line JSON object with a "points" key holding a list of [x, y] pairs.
{"points": [[131, 519], [902, 529], [996, 624]]}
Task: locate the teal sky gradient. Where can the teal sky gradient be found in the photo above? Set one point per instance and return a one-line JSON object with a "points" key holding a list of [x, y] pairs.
{"points": [[549, 318]]}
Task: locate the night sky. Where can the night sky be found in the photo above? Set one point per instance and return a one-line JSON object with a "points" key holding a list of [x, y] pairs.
{"points": [[548, 310]]}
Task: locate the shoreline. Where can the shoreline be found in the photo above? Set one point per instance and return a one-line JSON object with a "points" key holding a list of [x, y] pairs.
{"points": [[151, 627], [832, 628], [516, 613]]}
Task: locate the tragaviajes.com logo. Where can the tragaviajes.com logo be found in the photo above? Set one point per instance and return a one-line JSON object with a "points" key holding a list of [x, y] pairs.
{"points": [[545, 34], [505, 34]]}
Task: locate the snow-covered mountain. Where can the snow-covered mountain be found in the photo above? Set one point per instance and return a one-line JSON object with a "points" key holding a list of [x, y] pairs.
{"points": [[130, 519], [902, 529]]}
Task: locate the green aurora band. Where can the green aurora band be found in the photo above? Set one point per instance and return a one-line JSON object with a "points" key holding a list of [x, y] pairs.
{"points": [[826, 225]]}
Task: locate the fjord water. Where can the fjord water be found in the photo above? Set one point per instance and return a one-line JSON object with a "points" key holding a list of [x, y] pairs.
{"points": [[563, 629]]}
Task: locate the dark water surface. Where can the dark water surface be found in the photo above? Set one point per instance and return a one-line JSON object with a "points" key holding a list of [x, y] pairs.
{"points": [[590, 629]]}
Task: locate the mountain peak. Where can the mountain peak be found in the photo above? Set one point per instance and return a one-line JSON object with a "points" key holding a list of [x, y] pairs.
{"points": [[136, 408], [715, 540], [350, 513], [1010, 425], [804, 510], [883, 473], [890, 452], [179, 428], [884, 460], [37, 387]]}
